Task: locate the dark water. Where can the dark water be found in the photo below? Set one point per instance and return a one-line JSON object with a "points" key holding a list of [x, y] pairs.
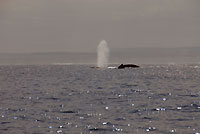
{"points": [[39, 99]]}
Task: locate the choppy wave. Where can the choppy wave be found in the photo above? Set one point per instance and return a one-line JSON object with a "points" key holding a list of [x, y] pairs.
{"points": [[78, 99]]}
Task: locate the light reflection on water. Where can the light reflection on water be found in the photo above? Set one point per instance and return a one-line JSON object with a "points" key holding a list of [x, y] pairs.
{"points": [[79, 99]]}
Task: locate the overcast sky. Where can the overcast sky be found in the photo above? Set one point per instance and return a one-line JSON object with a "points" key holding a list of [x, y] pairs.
{"points": [[79, 25]]}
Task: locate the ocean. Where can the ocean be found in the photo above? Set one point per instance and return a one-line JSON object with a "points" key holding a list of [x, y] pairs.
{"points": [[78, 99]]}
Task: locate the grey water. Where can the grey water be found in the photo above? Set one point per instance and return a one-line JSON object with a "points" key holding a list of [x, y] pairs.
{"points": [[77, 99]]}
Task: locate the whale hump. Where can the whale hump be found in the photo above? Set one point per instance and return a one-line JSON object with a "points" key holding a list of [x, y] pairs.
{"points": [[122, 66]]}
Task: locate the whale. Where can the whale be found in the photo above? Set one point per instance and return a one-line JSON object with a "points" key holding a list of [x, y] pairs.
{"points": [[123, 66]]}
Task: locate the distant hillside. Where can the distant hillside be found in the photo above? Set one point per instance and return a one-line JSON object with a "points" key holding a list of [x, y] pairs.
{"points": [[158, 55], [128, 55], [47, 58], [156, 51]]}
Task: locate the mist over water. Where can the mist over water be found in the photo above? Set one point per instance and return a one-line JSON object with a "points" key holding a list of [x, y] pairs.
{"points": [[102, 54]]}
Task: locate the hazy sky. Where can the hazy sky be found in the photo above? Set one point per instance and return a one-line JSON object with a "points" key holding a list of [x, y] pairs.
{"points": [[79, 25]]}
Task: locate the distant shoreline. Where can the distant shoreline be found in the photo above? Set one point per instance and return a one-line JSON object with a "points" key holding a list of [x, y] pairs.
{"points": [[185, 55]]}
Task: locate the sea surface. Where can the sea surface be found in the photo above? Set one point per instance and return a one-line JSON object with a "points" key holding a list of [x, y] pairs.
{"points": [[78, 99]]}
